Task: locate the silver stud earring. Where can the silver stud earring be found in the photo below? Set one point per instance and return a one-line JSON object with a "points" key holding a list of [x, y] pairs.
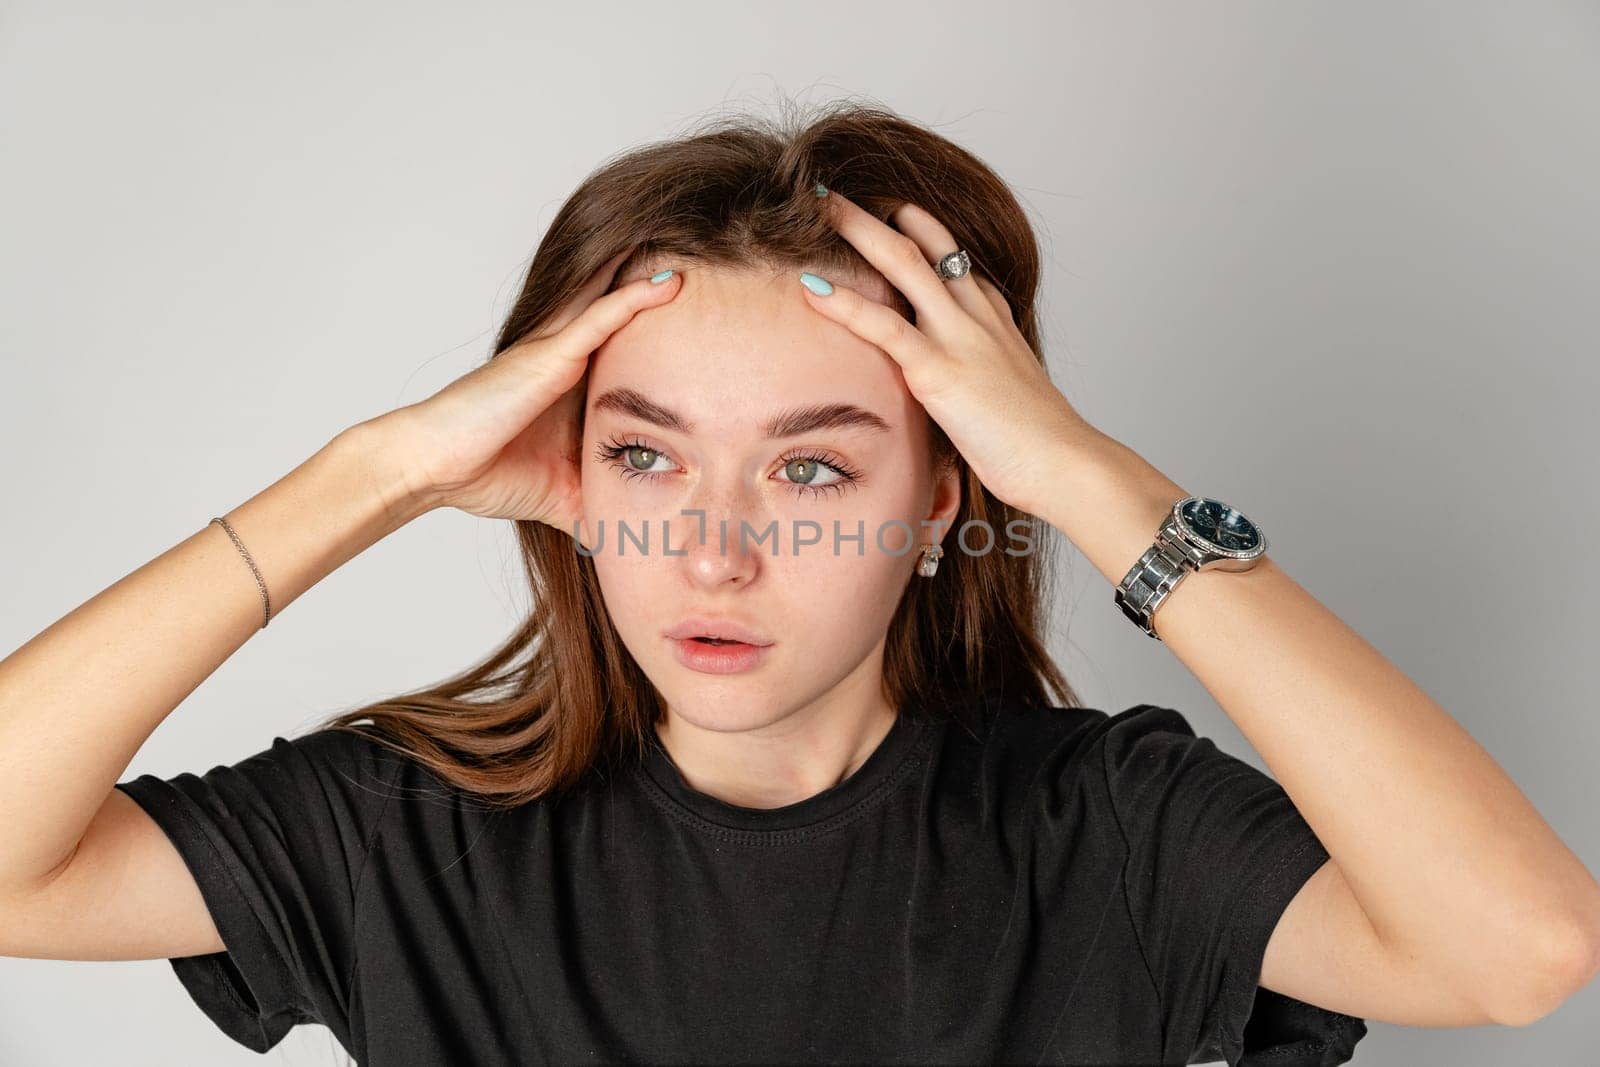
{"points": [[928, 565]]}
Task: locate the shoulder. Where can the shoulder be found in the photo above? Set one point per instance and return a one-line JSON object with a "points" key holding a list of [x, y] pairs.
{"points": [[354, 753], [348, 769], [349, 745], [315, 766], [1077, 733], [1076, 761], [1021, 754]]}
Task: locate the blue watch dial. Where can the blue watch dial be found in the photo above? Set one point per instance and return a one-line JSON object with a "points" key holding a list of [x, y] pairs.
{"points": [[1221, 525]]}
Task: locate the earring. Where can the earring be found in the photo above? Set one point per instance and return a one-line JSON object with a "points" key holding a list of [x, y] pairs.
{"points": [[928, 565]]}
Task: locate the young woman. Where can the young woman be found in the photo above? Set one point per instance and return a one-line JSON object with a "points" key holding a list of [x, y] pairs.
{"points": [[778, 768]]}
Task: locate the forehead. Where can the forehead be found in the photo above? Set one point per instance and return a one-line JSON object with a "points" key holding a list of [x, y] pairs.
{"points": [[737, 344]]}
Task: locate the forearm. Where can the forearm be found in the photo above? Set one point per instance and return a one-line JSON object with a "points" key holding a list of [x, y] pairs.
{"points": [[80, 698], [1447, 857]]}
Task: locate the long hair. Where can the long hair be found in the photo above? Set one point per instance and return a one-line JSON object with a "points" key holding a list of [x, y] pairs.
{"points": [[562, 696]]}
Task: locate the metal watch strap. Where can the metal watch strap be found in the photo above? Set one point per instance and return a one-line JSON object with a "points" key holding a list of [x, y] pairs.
{"points": [[1179, 550], [1148, 582]]}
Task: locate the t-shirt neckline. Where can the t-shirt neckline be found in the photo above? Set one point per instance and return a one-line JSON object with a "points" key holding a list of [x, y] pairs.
{"points": [[869, 782]]}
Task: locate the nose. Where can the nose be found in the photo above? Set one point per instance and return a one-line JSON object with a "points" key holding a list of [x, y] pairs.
{"points": [[718, 538]]}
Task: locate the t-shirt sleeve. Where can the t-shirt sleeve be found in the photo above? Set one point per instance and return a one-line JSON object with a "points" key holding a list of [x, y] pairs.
{"points": [[277, 843], [1216, 850]]}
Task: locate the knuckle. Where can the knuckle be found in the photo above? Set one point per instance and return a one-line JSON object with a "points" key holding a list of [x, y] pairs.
{"points": [[908, 252], [588, 328], [900, 331]]}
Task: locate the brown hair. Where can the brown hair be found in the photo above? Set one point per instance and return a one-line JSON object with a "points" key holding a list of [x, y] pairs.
{"points": [[562, 695]]}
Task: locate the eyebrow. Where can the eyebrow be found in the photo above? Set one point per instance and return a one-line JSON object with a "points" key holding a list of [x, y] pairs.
{"points": [[790, 422]]}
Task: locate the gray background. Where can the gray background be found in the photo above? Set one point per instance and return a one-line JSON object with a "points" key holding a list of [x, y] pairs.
{"points": [[1334, 262]]}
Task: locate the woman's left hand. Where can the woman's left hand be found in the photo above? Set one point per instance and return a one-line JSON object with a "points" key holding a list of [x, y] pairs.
{"points": [[964, 360]]}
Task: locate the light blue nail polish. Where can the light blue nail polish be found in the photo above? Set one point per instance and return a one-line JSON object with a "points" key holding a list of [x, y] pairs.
{"points": [[657, 279], [816, 284], [821, 190]]}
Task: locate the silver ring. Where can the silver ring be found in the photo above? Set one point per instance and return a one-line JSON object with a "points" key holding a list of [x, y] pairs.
{"points": [[955, 265]]}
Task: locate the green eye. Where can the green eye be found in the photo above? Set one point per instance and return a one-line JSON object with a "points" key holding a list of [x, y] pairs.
{"points": [[801, 471], [650, 455]]}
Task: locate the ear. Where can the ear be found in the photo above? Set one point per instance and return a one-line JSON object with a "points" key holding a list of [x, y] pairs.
{"points": [[946, 503]]}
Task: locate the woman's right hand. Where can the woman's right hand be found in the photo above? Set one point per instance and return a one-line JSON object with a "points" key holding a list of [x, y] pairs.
{"points": [[502, 440]]}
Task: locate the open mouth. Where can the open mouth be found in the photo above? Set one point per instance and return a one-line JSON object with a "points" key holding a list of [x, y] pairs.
{"points": [[719, 655]]}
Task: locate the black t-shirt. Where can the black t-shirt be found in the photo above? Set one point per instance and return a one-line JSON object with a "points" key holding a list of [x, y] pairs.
{"points": [[1038, 885]]}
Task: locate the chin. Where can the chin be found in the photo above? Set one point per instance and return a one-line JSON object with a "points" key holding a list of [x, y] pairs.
{"points": [[726, 706]]}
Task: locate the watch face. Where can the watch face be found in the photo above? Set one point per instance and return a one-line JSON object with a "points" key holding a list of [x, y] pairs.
{"points": [[1219, 525]]}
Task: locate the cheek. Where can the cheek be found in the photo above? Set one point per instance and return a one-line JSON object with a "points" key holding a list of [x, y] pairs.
{"points": [[629, 585], [638, 597], [616, 587], [599, 486], [846, 597], [614, 499]]}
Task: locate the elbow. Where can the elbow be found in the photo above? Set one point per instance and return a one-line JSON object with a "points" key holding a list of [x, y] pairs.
{"points": [[33, 885], [1569, 959]]}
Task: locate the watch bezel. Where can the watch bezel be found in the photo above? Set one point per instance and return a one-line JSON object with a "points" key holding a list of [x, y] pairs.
{"points": [[1210, 546]]}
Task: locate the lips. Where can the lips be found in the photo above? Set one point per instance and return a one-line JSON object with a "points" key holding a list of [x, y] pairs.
{"points": [[721, 629], [708, 657]]}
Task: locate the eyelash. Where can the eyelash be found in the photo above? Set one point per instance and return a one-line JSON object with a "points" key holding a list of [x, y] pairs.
{"points": [[610, 451]]}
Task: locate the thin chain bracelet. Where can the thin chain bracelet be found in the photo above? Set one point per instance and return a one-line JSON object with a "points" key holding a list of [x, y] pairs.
{"points": [[266, 602]]}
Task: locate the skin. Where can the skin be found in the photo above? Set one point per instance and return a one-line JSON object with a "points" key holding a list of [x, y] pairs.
{"points": [[734, 347]]}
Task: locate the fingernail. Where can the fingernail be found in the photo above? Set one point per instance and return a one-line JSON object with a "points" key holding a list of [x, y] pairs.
{"points": [[815, 283], [657, 279], [821, 190]]}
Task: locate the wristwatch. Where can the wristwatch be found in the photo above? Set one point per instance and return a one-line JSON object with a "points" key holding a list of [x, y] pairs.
{"points": [[1198, 534]]}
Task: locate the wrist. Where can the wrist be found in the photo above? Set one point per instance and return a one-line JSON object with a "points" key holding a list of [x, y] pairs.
{"points": [[1108, 500], [368, 449]]}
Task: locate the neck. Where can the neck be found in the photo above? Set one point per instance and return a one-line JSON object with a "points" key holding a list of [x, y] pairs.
{"points": [[785, 761]]}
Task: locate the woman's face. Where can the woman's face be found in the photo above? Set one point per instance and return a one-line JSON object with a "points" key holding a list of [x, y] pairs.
{"points": [[733, 351]]}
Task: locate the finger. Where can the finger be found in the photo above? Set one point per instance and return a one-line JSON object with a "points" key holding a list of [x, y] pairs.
{"points": [[610, 313], [546, 370], [1002, 306], [597, 283], [878, 324], [936, 242], [897, 256]]}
